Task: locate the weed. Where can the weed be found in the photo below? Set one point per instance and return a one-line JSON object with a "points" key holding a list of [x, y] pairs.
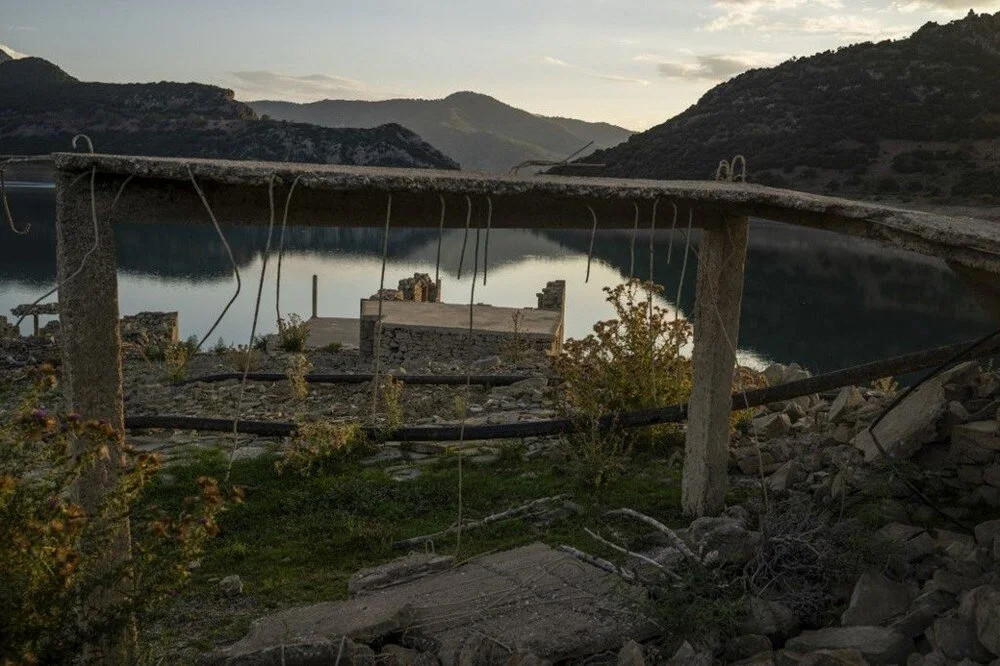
{"points": [[293, 333], [887, 385], [332, 348], [513, 349], [176, 357], [243, 359], [220, 347], [298, 367], [391, 407], [322, 447]]}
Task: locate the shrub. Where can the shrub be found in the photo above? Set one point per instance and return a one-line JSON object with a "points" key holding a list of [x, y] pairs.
{"points": [[629, 363], [390, 405], [54, 552], [243, 359], [298, 367], [512, 350], [322, 447], [294, 333], [176, 357]]}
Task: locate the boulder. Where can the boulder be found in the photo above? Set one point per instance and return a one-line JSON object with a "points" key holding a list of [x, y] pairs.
{"points": [[688, 656], [746, 646], [846, 402], [772, 425], [631, 654], [986, 532], [909, 426], [727, 536], [876, 600], [955, 636], [769, 618], [787, 475], [877, 645], [982, 607], [976, 442], [833, 658], [923, 611], [231, 586]]}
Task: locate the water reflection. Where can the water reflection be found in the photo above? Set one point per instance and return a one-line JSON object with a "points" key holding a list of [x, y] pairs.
{"points": [[821, 299]]}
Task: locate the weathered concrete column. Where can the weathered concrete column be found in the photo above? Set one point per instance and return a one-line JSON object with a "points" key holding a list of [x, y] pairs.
{"points": [[88, 318], [722, 255], [92, 365]]}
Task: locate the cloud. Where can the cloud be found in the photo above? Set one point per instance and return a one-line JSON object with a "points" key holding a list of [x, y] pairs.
{"points": [[944, 6], [16, 55], [22, 28], [310, 87], [850, 27], [711, 67], [557, 62]]}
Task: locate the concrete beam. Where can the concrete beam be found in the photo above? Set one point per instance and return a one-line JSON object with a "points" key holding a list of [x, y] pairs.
{"points": [[719, 291], [338, 195]]}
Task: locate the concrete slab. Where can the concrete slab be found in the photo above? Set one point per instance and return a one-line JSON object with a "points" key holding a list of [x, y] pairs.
{"points": [[531, 599], [328, 330], [456, 316]]}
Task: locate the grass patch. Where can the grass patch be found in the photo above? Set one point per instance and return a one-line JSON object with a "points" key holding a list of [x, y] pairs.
{"points": [[297, 540]]}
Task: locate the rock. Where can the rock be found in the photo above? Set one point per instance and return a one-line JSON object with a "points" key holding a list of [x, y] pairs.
{"points": [[951, 581], [963, 373], [769, 618], [935, 658], [794, 373], [795, 412], [833, 658], [631, 654], [527, 659], [400, 570], [922, 613], [977, 440], [876, 599], [762, 659], [956, 546], [774, 374], [848, 400], [915, 542], [688, 656], [909, 426], [991, 475], [787, 475], [532, 387], [955, 637], [727, 536], [772, 425], [982, 607], [486, 363], [746, 646], [231, 586], [955, 414], [986, 532], [303, 653], [878, 645]]}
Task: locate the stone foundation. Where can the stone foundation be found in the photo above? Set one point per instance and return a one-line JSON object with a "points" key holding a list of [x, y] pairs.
{"points": [[402, 343]]}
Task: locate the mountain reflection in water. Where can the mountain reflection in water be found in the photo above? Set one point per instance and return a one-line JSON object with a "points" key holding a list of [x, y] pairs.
{"points": [[820, 299]]}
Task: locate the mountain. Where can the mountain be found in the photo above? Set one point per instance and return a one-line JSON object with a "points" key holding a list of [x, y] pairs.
{"points": [[42, 108], [478, 131], [915, 118]]}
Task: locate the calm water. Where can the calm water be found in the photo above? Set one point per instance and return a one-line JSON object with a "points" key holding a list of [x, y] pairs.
{"points": [[823, 300]]}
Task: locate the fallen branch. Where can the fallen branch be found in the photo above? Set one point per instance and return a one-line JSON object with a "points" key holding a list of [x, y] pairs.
{"points": [[598, 562], [675, 540], [516, 512], [629, 553]]}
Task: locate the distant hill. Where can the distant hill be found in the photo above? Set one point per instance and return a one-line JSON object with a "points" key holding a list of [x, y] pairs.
{"points": [[478, 131], [916, 118], [42, 108]]}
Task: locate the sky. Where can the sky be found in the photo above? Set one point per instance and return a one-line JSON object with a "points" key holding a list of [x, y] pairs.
{"points": [[634, 63]]}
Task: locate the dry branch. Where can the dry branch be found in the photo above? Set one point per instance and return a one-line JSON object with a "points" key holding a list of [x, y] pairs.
{"points": [[516, 512], [629, 553], [598, 562], [675, 540]]}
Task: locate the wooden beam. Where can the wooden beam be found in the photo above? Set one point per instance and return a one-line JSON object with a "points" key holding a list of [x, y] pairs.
{"points": [[722, 255]]}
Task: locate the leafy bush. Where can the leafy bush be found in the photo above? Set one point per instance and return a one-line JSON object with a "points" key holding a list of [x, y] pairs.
{"points": [[322, 447], [58, 590], [628, 363], [294, 333], [176, 357]]}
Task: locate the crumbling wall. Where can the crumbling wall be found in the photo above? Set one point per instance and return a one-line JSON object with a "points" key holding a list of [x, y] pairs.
{"points": [[420, 288], [401, 343]]}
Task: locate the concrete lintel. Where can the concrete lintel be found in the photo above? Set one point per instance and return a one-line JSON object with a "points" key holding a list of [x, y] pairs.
{"points": [[356, 196]]}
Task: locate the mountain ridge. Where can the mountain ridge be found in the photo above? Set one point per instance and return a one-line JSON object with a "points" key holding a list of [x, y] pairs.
{"points": [[44, 107], [477, 130], [916, 118]]}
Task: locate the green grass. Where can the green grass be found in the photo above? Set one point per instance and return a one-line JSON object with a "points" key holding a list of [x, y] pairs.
{"points": [[297, 540]]}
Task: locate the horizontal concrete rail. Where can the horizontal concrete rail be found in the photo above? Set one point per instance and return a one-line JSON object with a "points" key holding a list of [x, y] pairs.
{"points": [[160, 191]]}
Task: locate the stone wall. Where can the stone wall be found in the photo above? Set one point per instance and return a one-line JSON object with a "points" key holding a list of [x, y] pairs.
{"points": [[150, 327], [402, 343], [420, 288]]}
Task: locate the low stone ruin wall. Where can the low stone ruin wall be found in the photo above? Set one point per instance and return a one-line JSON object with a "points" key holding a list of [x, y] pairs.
{"points": [[402, 343]]}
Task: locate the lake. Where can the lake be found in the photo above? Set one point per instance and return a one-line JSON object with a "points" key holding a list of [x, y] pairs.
{"points": [[820, 299]]}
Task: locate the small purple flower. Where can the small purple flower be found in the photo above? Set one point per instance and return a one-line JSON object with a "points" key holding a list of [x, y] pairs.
{"points": [[74, 417], [39, 414]]}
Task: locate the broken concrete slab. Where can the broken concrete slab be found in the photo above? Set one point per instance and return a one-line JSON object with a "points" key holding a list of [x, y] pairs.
{"points": [[531, 599], [908, 427], [400, 570]]}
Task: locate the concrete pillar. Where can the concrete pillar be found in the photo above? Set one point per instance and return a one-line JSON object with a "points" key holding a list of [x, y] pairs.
{"points": [[722, 255], [315, 294], [91, 355]]}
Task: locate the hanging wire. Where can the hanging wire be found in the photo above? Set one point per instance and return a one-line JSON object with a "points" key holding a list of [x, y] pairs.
{"points": [[229, 252], [593, 234], [437, 263], [673, 227], [635, 230], [465, 239], [486, 242], [562, 162], [684, 264], [6, 204], [468, 386], [378, 322], [253, 334], [281, 252], [90, 144], [652, 234]]}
